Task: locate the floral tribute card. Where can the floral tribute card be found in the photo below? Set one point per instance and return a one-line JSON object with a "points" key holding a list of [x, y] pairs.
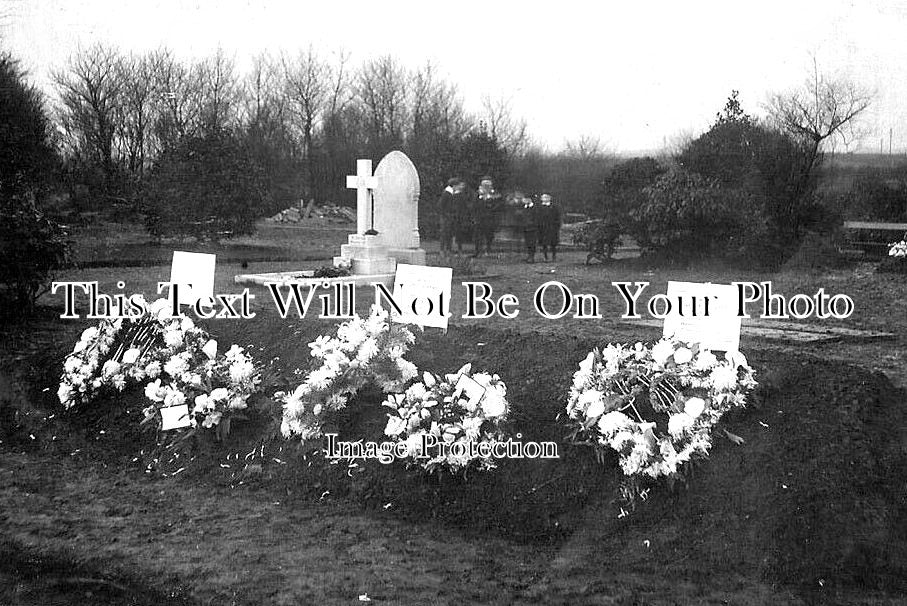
{"points": [[423, 295], [703, 313], [175, 417], [471, 389], [196, 269]]}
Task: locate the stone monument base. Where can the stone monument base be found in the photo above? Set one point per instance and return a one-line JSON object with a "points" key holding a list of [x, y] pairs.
{"points": [[365, 255], [411, 256]]}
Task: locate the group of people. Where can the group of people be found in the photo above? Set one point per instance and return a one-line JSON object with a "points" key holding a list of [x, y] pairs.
{"points": [[476, 216]]}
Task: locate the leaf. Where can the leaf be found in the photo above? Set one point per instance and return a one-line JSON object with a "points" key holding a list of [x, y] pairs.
{"points": [[734, 438]]}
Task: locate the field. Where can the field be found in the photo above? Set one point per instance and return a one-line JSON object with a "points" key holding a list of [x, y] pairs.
{"points": [[812, 508]]}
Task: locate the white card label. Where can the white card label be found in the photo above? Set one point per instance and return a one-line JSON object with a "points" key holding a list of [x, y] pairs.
{"points": [[196, 269], [423, 295], [715, 327], [468, 387], [175, 417]]}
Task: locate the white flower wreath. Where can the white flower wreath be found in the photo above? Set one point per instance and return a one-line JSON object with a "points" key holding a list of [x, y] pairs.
{"points": [[178, 358], [655, 406], [363, 350], [446, 412]]}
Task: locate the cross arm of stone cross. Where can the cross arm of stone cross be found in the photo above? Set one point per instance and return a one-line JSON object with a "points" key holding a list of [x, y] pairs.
{"points": [[363, 182]]}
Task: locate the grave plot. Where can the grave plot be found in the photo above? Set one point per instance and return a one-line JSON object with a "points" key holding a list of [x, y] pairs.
{"points": [[810, 504]]}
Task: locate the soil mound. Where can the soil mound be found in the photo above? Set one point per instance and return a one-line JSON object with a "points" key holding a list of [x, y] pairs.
{"points": [[816, 497]]}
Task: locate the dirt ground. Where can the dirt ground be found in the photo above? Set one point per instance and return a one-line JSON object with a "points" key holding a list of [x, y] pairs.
{"points": [[811, 509]]}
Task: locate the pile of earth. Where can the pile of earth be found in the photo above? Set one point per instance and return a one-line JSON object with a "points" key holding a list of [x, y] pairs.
{"points": [[815, 497], [305, 214]]}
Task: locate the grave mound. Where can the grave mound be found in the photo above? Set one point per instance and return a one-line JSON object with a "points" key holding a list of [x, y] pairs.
{"points": [[814, 498]]}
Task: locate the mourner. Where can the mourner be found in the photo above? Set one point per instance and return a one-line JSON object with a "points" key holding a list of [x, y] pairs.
{"points": [[462, 215], [451, 209], [550, 226], [527, 214], [487, 214]]}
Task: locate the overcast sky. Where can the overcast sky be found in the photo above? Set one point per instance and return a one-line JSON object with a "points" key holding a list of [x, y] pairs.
{"points": [[634, 74]]}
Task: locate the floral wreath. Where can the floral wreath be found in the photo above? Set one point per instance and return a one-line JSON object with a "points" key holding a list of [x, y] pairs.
{"points": [[655, 406], [364, 350], [178, 358], [441, 421]]}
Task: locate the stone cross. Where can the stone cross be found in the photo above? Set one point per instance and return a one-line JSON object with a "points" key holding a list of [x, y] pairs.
{"points": [[363, 182]]}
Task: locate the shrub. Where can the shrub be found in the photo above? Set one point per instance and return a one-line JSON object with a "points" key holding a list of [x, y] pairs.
{"points": [[31, 245], [27, 156], [878, 195], [207, 186], [623, 188], [740, 153], [686, 217]]}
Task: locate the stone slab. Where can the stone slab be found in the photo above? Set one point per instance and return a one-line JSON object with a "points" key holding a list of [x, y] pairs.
{"points": [[306, 278], [791, 331]]}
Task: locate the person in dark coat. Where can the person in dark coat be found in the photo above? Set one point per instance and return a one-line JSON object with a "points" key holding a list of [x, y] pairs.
{"points": [[549, 226], [527, 215], [449, 212], [462, 215], [488, 206]]}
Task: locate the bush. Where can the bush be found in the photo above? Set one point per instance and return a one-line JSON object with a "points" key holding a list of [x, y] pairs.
{"points": [[767, 165], [208, 187], [31, 246], [623, 188], [687, 217], [878, 195], [27, 156]]}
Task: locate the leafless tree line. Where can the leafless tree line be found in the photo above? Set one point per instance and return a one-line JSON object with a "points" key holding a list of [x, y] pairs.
{"points": [[117, 112]]}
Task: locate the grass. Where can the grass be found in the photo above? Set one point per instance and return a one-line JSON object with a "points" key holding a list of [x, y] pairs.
{"points": [[803, 513]]}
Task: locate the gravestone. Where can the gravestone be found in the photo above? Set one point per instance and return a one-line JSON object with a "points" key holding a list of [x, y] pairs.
{"points": [[396, 208], [364, 253], [387, 227]]}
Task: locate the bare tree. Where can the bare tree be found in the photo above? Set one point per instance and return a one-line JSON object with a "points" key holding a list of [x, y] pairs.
{"points": [[178, 98], [91, 94], [220, 92], [436, 106], [308, 90], [137, 112], [438, 124], [381, 88], [341, 88], [822, 110], [586, 147], [510, 132]]}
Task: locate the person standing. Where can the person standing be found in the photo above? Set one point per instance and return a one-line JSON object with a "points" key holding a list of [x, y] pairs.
{"points": [[462, 215], [448, 211], [550, 226], [528, 218], [487, 215]]}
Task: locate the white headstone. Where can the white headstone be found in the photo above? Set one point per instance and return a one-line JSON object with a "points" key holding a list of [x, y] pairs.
{"points": [[719, 330], [397, 208]]}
